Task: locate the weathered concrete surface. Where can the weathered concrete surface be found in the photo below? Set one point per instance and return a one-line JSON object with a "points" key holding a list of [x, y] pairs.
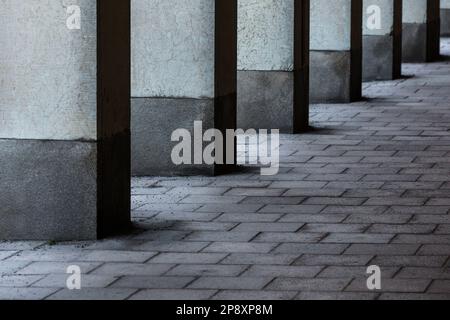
{"points": [[330, 76], [266, 35], [445, 22], [59, 87], [414, 42], [331, 25], [153, 121], [48, 190], [265, 100], [184, 60], [421, 25], [382, 44], [336, 51], [378, 58], [173, 48], [273, 41], [386, 12], [47, 72], [445, 18]]}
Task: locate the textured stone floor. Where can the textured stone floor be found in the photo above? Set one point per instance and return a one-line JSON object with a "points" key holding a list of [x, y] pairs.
{"points": [[370, 186]]}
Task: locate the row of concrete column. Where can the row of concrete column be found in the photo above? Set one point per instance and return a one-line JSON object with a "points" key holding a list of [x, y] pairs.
{"points": [[68, 129]]}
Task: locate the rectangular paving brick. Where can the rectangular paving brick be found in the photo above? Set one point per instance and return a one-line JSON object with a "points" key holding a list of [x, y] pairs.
{"points": [[172, 294], [358, 238], [235, 283], [261, 259], [333, 260], [308, 284]]}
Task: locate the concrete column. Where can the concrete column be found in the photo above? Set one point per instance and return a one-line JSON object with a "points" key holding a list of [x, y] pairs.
{"points": [[336, 50], [382, 39], [273, 64], [421, 30], [184, 61], [64, 119], [445, 18]]}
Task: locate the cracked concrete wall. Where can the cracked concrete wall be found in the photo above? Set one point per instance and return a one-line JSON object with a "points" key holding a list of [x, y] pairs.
{"points": [[330, 25], [173, 48], [47, 72], [414, 11], [266, 35], [386, 16]]}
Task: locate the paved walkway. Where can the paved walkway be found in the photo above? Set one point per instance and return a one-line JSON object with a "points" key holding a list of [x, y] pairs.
{"points": [[371, 186]]}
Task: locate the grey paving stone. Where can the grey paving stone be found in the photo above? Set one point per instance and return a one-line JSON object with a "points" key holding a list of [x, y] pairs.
{"points": [[116, 256], [38, 268], [424, 273], [230, 208], [392, 285], [186, 258], [333, 260], [335, 201], [399, 229], [283, 271], [268, 227], [47, 255], [150, 282], [410, 261], [383, 249], [255, 192], [87, 281], [434, 250], [314, 248], [254, 295], [291, 237], [25, 293], [249, 217], [221, 236], [138, 269], [414, 296], [344, 296], [18, 281], [203, 226], [9, 267], [307, 209], [314, 218], [440, 286], [422, 239], [334, 228], [20, 245], [261, 259], [378, 218], [238, 283], [172, 294], [396, 201], [308, 192], [240, 247], [372, 210], [172, 246], [198, 270], [291, 284], [6, 254], [273, 200], [92, 294], [358, 238]]}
